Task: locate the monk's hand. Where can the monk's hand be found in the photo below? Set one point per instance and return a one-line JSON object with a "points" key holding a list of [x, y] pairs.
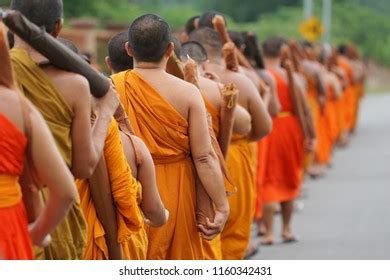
{"points": [[108, 104], [211, 229], [151, 224], [37, 238], [310, 145]]}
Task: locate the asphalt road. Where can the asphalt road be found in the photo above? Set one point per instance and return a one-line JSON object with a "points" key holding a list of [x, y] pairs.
{"points": [[346, 214]]}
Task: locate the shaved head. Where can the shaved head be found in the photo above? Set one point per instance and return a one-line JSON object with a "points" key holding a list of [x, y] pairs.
{"points": [[273, 46], [190, 24], [209, 39], [120, 60], [237, 38], [44, 13], [149, 38], [206, 20], [194, 50]]}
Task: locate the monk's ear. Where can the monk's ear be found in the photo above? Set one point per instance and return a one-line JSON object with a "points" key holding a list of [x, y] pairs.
{"points": [[129, 50], [170, 50], [58, 28], [184, 37], [108, 62], [203, 66], [196, 23]]}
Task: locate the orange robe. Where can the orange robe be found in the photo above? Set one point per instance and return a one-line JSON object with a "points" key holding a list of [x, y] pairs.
{"points": [[262, 155], [124, 189], [359, 88], [236, 235], [331, 117], [350, 94], [324, 142], [283, 174], [165, 132], [15, 242]]}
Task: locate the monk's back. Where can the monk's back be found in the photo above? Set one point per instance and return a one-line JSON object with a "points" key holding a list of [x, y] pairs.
{"points": [[211, 92], [240, 80], [66, 83], [172, 89]]}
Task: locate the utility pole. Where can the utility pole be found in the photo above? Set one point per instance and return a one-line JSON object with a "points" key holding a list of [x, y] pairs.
{"points": [[327, 20], [307, 8]]}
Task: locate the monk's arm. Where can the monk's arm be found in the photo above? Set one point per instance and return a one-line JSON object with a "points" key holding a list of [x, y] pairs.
{"points": [[242, 121], [304, 109], [206, 162], [274, 104], [53, 173], [261, 120], [87, 142], [151, 205]]}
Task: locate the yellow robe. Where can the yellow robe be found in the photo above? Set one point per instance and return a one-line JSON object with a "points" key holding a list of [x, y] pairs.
{"points": [[165, 132], [125, 190], [236, 235], [69, 237]]}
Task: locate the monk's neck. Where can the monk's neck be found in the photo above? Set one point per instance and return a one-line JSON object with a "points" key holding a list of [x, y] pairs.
{"points": [[215, 64], [155, 66], [271, 62], [216, 60], [35, 56]]}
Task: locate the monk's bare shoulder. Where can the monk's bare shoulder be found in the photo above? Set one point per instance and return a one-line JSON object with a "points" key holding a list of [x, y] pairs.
{"points": [[73, 87], [10, 106], [211, 90], [183, 88]]}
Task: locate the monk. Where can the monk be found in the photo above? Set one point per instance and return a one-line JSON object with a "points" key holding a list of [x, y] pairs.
{"points": [[117, 59], [191, 24], [240, 159], [25, 135], [67, 114], [127, 195], [211, 91], [252, 52], [179, 144], [314, 74], [139, 160], [283, 173], [359, 75]]}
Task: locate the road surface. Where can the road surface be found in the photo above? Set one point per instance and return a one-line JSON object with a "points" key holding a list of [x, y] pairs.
{"points": [[346, 214]]}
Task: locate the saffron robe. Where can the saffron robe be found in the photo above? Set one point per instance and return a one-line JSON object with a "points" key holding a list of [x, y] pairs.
{"points": [[283, 174], [69, 237], [236, 235], [124, 189], [165, 132]]}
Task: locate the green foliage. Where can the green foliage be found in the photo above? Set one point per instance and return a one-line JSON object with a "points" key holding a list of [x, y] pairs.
{"points": [[363, 22], [5, 3]]}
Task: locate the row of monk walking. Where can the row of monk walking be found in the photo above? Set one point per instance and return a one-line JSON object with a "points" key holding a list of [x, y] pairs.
{"points": [[195, 139]]}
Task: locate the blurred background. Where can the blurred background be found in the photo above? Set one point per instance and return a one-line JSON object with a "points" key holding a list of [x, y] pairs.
{"points": [[366, 23]]}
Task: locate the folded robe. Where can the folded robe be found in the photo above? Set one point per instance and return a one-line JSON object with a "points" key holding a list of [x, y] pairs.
{"points": [[124, 190]]}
